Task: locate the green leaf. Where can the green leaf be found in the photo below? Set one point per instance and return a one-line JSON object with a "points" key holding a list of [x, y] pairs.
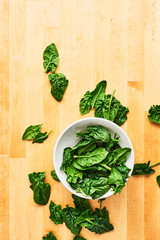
{"points": [[99, 133], [98, 93], [142, 169], [85, 103], [49, 236], [56, 214], [92, 158], [79, 238], [41, 137], [54, 176], [88, 148], [121, 115], [111, 109], [80, 203], [154, 114], [124, 171], [41, 190], [81, 143], [51, 58], [67, 158], [102, 213], [59, 84], [93, 223], [73, 174], [70, 216], [90, 98], [31, 132], [95, 186], [119, 156], [158, 180], [116, 180]]}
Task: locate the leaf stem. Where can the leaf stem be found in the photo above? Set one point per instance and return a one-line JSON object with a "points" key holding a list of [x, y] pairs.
{"points": [[105, 166], [49, 132], [155, 164]]}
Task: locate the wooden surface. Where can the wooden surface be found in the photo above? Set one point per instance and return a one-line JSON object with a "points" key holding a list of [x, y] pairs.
{"points": [[116, 40]]}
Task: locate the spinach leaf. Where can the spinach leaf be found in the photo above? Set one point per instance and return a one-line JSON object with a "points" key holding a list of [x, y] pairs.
{"points": [[92, 168], [124, 171], [154, 114], [99, 133], [89, 99], [49, 236], [93, 223], [116, 180], [54, 176], [143, 168], [73, 174], [94, 186], [81, 143], [56, 214], [59, 84], [118, 156], [79, 238], [41, 190], [158, 180], [31, 132], [98, 93], [91, 158], [41, 137], [67, 158], [80, 203], [70, 216], [51, 58], [87, 148], [102, 213], [121, 115], [110, 108], [85, 103]]}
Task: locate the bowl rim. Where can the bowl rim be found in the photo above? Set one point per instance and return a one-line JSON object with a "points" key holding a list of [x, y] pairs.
{"points": [[86, 119]]}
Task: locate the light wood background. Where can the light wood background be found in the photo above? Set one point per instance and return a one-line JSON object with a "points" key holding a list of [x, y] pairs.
{"points": [[116, 40]]}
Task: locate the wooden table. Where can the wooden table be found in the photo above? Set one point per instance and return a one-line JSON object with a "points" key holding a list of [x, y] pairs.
{"points": [[107, 39]]}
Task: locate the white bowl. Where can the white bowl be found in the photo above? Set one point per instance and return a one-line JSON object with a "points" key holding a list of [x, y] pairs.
{"points": [[68, 139]]}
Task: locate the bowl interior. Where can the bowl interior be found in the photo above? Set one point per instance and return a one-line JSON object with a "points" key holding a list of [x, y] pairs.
{"points": [[68, 139]]}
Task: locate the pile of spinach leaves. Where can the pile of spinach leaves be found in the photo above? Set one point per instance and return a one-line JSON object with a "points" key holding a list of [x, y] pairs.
{"points": [[34, 133], [58, 81], [106, 106], [96, 163], [81, 216]]}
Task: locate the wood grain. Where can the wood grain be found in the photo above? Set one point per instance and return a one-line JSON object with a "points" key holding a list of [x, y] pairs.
{"points": [[97, 39]]}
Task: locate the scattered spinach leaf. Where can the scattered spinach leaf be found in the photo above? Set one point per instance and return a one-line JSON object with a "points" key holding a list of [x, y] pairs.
{"points": [[158, 180], [154, 114], [41, 190], [54, 176], [31, 132], [81, 204], [143, 168], [85, 103], [79, 238], [41, 137], [56, 213], [51, 58], [70, 216], [59, 84], [49, 236]]}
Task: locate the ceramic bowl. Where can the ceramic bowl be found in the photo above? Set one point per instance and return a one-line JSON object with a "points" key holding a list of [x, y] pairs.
{"points": [[68, 139]]}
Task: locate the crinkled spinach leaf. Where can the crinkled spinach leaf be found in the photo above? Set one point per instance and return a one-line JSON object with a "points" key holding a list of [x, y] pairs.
{"points": [[51, 58], [41, 190], [54, 176], [154, 114], [59, 84], [49, 236], [56, 213], [158, 180], [41, 137], [70, 216], [80, 203], [31, 132], [143, 168], [67, 158]]}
